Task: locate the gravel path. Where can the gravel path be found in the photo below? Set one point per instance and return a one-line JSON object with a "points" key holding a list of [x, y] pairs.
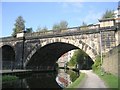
{"points": [[92, 81]]}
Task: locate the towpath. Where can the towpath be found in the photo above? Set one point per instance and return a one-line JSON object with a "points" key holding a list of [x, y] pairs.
{"points": [[92, 81]]}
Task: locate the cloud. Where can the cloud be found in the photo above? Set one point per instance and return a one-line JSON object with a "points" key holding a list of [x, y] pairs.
{"points": [[92, 16], [71, 7]]}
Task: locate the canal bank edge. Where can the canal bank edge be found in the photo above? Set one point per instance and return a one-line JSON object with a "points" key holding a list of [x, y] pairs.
{"points": [[77, 83]]}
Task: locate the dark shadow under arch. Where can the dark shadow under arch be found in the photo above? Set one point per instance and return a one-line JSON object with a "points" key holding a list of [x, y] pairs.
{"points": [[8, 53], [8, 56], [49, 54]]}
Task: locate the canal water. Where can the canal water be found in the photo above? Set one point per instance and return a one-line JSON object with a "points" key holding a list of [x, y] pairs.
{"points": [[59, 80]]}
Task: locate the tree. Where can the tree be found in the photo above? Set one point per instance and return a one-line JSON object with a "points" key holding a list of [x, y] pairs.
{"points": [[29, 30], [59, 26], [56, 27], [82, 59], [63, 25], [108, 14], [78, 57], [19, 25], [44, 29], [97, 63], [72, 61]]}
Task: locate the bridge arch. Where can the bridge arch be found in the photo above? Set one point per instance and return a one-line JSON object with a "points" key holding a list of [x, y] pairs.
{"points": [[73, 41], [51, 51], [78, 43], [8, 56]]}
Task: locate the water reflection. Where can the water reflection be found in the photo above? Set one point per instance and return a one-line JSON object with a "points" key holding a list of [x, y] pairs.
{"points": [[63, 78], [66, 77], [58, 80]]}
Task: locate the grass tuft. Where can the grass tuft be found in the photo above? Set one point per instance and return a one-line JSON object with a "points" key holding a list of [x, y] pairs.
{"points": [[110, 80], [76, 83]]}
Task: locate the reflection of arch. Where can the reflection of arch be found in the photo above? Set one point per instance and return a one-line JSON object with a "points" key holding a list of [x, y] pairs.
{"points": [[47, 79], [8, 53]]}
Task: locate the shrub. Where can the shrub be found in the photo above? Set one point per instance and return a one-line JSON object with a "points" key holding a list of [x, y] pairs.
{"points": [[9, 78], [96, 64]]}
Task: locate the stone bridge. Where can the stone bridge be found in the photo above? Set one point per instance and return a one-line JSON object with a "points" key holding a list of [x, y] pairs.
{"points": [[44, 49]]}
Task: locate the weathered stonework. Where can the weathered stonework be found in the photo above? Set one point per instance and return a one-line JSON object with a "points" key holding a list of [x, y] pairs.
{"points": [[88, 41], [111, 61]]}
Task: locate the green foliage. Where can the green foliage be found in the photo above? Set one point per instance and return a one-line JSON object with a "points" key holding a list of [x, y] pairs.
{"points": [[72, 62], [63, 24], [29, 30], [8, 78], [78, 57], [19, 25], [59, 26], [110, 80], [73, 76], [44, 29], [97, 63], [108, 14], [76, 83], [56, 27]]}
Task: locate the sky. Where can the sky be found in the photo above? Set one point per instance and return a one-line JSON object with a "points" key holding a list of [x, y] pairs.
{"points": [[41, 14]]}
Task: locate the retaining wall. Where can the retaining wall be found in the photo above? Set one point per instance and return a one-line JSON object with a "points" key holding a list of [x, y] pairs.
{"points": [[111, 61]]}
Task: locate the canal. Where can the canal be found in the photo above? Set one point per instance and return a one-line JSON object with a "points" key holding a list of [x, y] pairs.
{"points": [[60, 79]]}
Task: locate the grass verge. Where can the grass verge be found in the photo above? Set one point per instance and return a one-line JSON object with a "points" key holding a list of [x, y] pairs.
{"points": [[8, 78], [76, 83], [110, 80]]}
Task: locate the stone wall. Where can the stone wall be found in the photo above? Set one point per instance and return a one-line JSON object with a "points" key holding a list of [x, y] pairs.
{"points": [[111, 61]]}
